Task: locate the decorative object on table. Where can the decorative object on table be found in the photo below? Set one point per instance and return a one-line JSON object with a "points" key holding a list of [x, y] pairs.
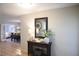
{"points": [[46, 40], [48, 34]]}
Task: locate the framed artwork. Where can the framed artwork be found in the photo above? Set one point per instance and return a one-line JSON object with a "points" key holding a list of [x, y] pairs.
{"points": [[41, 26]]}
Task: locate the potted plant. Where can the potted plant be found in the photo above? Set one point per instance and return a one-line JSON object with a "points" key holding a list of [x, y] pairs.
{"points": [[48, 34]]}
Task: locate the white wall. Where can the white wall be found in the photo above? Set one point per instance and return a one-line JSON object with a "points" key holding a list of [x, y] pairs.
{"points": [[78, 31], [63, 22], [0, 32]]}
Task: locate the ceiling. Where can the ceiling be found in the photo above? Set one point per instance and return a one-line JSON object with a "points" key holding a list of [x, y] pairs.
{"points": [[10, 10]]}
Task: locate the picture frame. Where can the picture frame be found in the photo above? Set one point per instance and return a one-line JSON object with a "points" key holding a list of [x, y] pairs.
{"points": [[41, 26]]}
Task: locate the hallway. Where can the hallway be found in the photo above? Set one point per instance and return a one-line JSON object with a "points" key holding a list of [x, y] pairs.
{"points": [[11, 49]]}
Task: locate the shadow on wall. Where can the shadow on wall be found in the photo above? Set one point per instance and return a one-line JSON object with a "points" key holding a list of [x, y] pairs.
{"points": [[52, 39], [51, 35]]}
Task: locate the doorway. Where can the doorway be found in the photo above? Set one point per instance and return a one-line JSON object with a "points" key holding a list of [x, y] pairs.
{"points": [[10, 33]]}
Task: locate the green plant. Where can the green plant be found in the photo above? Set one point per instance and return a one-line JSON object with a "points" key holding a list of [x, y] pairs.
{"points": [[48, 33]]}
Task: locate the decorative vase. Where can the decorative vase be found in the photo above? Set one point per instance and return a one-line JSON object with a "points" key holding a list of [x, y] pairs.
{"points": [[46, 40]]}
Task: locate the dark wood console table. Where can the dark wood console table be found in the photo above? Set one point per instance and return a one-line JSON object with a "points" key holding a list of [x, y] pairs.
{"points": [[39, 48]]}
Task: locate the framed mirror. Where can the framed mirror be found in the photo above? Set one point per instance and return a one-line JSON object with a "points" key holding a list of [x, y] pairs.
{"points": [[41, 26]]}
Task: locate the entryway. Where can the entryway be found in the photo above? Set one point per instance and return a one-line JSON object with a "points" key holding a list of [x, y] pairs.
{"points": [[10, 42], [10, 33]]}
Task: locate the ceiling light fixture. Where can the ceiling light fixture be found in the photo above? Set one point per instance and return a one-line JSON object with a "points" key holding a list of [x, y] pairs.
{"points": [[26, 5]]}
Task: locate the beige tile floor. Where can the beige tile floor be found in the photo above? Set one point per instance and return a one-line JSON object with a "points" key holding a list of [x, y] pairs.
{"points": [[11, 49]]}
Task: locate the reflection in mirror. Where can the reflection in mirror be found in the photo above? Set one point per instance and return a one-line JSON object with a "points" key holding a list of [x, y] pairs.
{"points": [[41, 26]]}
